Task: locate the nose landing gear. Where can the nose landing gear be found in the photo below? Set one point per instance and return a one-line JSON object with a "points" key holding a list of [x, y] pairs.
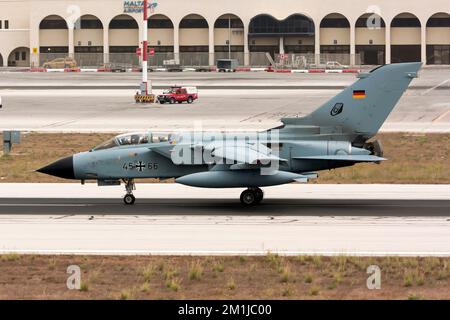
{"points": [[129, 199], [252, 197]]}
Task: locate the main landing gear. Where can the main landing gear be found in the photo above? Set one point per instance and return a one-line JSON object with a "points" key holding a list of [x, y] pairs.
{"points": [[252, 197], [129, 199]]}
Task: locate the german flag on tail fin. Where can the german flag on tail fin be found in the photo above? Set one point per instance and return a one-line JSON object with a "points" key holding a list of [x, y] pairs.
{"points": [[359, 94]]}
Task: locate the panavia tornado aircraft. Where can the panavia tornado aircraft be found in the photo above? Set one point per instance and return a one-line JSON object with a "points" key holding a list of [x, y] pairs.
{"points": [[338, 134]]}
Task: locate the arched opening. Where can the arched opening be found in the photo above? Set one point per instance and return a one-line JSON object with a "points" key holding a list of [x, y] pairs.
{"points": [[88, 40], [229, 38], [299, 33], [370, 39], [335, 39], [294, 34], [19, 57], [1, 60], [161, 38], [194, 41], [123, 40], [405, 38], [438, 39], [53, 38]]}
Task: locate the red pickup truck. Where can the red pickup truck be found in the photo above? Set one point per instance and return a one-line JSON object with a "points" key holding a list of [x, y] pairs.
{"points": [[178, 95]]}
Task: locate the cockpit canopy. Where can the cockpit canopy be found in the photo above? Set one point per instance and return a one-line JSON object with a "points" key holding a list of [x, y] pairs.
{"points": [[133, 139]]}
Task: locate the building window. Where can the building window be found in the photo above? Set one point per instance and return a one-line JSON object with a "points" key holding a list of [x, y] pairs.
{"points": [[439, 23], [24, 55], [123, 49], [160, 49], [335, 49], [6, 24], [438, 54], [17, 56], [264, 48], [405, 23], [53, 24], [299, 49], [371, 54], [91, 24], [225, 23], [160, 24], [123, 24], [335, 23], [194, 49], [1, 24], [194, 24], [225, 48], [294, 25], [54, 49], [362, 23], [97, 49]]}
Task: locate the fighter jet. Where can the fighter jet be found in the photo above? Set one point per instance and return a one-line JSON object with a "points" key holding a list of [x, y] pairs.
{"points": [[338, 134]]}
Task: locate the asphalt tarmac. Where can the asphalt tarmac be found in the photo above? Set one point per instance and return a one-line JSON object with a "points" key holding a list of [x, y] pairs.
{"points": [[224, 207], [169, 219], [242, 101]]}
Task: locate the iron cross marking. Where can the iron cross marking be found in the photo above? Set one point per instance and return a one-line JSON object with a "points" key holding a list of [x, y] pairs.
{"points": [[140, 166]]}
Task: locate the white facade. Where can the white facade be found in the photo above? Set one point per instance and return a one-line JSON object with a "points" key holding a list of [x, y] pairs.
{"points": [[23, 19]]}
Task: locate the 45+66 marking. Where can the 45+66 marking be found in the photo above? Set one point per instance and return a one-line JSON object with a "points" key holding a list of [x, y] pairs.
{"points": [[140, 166]]}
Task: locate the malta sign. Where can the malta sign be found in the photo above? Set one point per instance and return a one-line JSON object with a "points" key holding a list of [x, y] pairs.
{"points": [[137, 6]]}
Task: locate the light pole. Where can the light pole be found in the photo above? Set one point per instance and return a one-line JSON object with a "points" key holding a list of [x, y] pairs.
{"points": [[229, 37], [144, 86]]}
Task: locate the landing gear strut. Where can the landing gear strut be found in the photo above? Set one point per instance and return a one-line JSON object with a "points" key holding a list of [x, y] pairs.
{"points": [[252, 197], [129, 198]]}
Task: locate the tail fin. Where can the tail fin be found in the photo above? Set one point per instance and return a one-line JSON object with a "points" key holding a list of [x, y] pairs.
{"points": [[363, 107]]}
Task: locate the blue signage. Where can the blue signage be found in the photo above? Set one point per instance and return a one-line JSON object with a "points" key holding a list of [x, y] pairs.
{"points": [[137, 6]]}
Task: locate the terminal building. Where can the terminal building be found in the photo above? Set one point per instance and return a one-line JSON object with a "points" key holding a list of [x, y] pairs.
{"points": [[198, 32]]}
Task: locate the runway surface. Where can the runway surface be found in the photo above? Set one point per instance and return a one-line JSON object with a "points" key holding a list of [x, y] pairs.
{"points": [[43, 102], [429, 77], [173, 219]]}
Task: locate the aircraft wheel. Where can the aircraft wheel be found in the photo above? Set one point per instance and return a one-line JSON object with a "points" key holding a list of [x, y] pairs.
{"points": [[259, 195], [249, 198], [129, 199]]}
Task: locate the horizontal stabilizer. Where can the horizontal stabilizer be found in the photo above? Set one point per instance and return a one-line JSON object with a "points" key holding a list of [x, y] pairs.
{"points": [[351, 158]]}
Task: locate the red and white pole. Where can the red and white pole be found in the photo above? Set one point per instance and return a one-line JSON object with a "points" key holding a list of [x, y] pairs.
{"points": [[144, 50]]}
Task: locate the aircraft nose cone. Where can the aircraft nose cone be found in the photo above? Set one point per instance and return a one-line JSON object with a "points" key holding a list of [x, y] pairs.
{"points": [[62, 168]]}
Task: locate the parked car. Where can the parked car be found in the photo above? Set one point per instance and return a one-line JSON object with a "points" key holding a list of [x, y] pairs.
{"points": [[172, 65], [61, 63], [178, 95], [335, 65], [114, 67]]}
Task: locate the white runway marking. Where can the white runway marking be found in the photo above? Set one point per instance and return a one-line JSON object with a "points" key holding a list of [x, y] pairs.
{"points": [[442, 116], [435, 87]]}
